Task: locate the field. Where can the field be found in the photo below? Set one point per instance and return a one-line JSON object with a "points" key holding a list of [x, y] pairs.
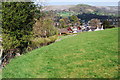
{"points": [[86, 55], [65, 14]]}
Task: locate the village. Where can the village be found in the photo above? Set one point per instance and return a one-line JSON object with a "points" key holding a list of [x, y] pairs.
{"points": [[73, 24], [77, 29]]}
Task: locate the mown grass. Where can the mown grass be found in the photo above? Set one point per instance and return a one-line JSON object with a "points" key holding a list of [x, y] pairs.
{"points": [[87, 55]]}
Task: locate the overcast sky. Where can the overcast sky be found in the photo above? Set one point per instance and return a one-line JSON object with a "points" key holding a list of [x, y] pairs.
{"points": [[74, 2], [82, 0]]}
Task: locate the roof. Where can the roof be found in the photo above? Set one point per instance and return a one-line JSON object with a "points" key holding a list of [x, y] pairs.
{"points": [[63, 30]]}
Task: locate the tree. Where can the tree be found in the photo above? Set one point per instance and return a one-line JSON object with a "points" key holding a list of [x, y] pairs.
{"points": [[57, 18], [106, 24], [17, 24], [44, 28], [49, 28], [74, 20], [62, 23], [95, 23]]}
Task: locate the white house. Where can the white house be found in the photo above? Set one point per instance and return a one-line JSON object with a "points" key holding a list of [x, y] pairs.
{"points": [[98, 29]]}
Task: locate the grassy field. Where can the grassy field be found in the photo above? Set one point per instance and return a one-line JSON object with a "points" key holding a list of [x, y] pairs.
{"points": [[66, 14], [86, 55]]}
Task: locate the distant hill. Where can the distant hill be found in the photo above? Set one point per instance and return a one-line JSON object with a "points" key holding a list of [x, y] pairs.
{"points": [[108, 9], [83, 8], [57, 7]]}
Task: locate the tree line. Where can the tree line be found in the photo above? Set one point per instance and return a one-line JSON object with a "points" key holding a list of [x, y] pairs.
{"points": [[79, 20]]}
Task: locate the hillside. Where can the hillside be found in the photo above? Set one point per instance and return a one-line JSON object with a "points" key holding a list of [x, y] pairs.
{"points": [[57, 7], [86, 55], [83, 8], [102, 10]]}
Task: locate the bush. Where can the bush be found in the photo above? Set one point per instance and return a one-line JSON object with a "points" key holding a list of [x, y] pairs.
{"points": [[47, 41], [39, 42], [53, 38], [36, 43]]}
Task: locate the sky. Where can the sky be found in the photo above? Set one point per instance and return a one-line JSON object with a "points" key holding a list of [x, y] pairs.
{"points": [[75, 2], [81, 0]]}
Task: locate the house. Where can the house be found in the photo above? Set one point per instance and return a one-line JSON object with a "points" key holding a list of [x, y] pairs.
{"points": [[63, 31], [84, 28], [68, 30], [96, 29], [74, 29], [99, 28]]}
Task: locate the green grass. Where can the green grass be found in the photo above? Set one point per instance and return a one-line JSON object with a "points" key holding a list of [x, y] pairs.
{"points": [[87, 55], [65, 14]]}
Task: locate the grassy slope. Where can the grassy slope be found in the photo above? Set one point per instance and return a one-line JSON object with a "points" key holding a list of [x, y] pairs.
{"points": [[87, 55]]}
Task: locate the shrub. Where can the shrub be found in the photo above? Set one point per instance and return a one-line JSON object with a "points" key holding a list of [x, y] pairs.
{"points": [[36, 43], [47, 41], [53, 38], [39, 42]]}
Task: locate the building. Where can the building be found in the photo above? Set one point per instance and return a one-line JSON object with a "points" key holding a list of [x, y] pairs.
{"points": [[63, 31]]}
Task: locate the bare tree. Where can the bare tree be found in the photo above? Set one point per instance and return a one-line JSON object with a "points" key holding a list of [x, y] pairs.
{"points": [[94, 23]]}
